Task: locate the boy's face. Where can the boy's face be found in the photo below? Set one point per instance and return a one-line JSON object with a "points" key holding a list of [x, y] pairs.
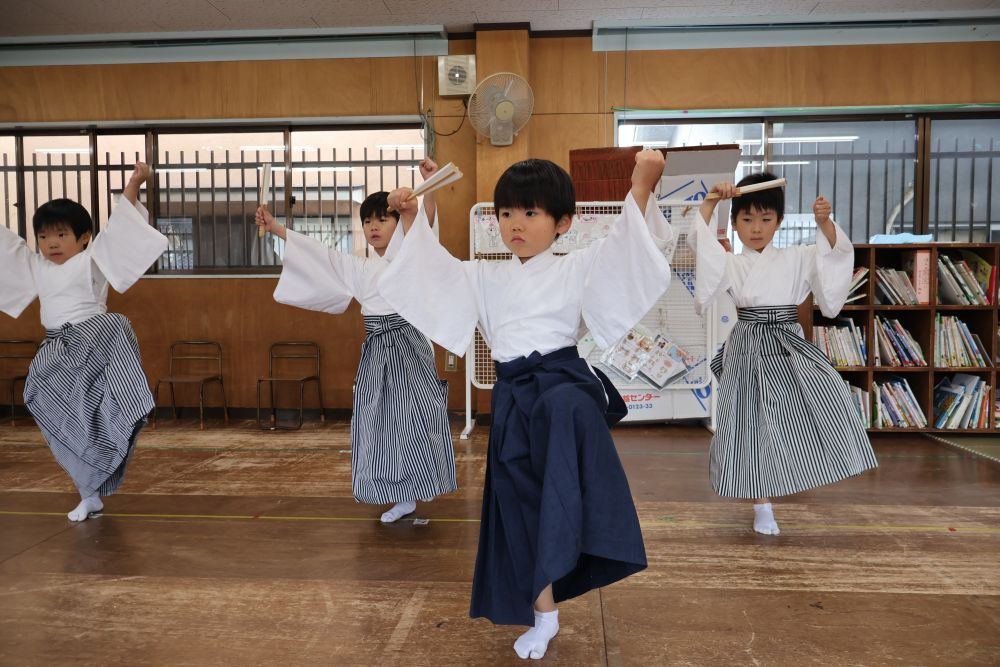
{"points": [[530, 231], [756, 228], [378, 231], [58, 243]]}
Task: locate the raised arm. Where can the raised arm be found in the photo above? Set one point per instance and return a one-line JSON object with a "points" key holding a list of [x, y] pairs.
{"points": [[313, 276], [17, 286], [832, 261], [627, 271], [426, 285], [711, 259], [129, 245]]}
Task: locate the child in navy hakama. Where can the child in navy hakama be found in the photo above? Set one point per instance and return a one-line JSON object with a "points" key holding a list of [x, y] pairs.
{"points": [[85, 387], [558, 517], [401, 446], [785, 419]]}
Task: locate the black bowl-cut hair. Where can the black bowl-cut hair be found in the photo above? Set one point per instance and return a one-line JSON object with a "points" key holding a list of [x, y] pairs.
{"points": [[536, 184], [762, 200], [376, 205], [62, 212]]}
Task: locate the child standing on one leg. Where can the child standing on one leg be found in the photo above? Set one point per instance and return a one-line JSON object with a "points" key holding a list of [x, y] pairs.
{"points": [[85, 387], [785, 420], [401, 446], [557, 518]]}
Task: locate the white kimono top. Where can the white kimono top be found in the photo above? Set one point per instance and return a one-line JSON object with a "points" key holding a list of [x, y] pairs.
{"points": [[77, 289], [316, 277], [774, 276], [542, 305]]}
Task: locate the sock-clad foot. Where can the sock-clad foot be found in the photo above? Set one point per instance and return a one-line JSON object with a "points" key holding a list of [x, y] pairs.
{"points": [[398, 511], [533, 643], [86, 507], [763, 519]]}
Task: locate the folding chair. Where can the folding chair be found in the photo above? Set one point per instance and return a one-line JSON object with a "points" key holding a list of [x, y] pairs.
{"points": [[15, 357], [282, 353], [191, 355]]}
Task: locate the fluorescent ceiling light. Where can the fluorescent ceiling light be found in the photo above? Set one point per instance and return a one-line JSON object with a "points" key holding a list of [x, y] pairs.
{"points": [[57, 151], [789, 162], [327, 170], [390, 147], [806, 140]]}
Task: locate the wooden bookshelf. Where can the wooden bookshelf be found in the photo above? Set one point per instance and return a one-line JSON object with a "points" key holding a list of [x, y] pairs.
{"points": [[919, 320]]}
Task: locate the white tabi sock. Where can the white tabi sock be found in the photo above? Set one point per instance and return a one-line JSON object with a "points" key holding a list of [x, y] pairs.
{"points": [[398, 511], [533, 643], [86, 507], [763, 519]]}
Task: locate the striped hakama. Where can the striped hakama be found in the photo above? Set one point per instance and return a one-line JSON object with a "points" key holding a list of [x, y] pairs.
{"points": [[88, 394], [785, 420], [556, 503], [401, 447]]}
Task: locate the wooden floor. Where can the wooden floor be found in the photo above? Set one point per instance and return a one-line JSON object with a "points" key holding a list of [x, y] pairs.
{"points": [[240, 547]]}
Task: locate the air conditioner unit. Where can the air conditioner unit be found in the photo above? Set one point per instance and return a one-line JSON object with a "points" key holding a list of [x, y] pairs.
{"points": [[456, 75]]}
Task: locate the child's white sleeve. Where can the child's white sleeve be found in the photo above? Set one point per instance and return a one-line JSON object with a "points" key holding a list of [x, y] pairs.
{"points": [[711, 273], [831, 271], [316, 277], [432, 290], [627, 272], [128, 246], [17, 284]]}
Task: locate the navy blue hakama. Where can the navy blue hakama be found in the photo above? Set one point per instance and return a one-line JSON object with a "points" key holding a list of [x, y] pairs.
{"points": [[556, 503]]}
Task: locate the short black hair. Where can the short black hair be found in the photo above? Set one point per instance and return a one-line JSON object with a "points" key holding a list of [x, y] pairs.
{"points": [[763, 200], [376, 205], [62, 212], [536, 184]]}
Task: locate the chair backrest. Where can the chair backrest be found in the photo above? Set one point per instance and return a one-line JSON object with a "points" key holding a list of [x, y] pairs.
{"points": [[195, 356], [16, 356], [283, 353]]}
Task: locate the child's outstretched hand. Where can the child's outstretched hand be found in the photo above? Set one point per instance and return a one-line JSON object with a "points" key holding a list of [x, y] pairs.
{"points": [[266, 221], [824, 223], [427, 168], [822, 210], [725, 190], [399, 201], [646, 175], [135, 181]]}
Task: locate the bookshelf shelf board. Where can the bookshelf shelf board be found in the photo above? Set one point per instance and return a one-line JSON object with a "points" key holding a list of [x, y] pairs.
{"points": [[853, 307], [879, 306], [963, 369], [899, 369], [850, 369], [951, 307]]}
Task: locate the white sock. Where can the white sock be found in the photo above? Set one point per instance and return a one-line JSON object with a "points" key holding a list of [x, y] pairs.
{"points": [[763, 519], [88, 505], [398, 511], [427, 500], [533, 643]]}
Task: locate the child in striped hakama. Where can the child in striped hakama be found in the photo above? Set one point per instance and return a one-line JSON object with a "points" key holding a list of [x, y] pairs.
{"points": [[557, 518], [85, 387], [401, 447], [785, 420]]}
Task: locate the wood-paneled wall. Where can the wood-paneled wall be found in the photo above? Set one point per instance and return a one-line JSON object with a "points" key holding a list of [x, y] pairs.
{"points": [[575, 89]]}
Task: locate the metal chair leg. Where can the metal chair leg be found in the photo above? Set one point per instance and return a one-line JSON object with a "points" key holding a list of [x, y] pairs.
{"points": [[302, 403], [319, 394], [225, 406], [173, 400], [201, 406]]}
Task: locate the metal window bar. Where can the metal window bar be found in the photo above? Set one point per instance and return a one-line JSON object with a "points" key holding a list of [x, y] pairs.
{"points": [[966, 186]]}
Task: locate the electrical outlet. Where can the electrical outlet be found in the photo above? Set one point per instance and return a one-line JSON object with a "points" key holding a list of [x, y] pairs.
{"points": [[451, 362]]}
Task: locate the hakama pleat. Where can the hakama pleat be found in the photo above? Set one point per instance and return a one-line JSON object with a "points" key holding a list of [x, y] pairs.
{"points": [[556, 503], [401, 446], [785, 421], [89, 396]]}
